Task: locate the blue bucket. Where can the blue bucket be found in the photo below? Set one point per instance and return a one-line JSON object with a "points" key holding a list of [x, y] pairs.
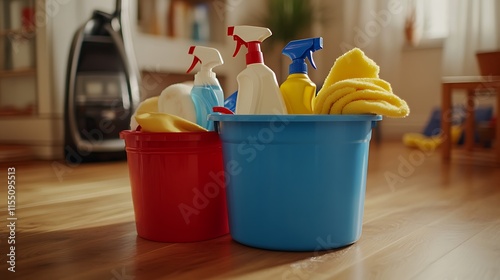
{"points": [[295, 182]]}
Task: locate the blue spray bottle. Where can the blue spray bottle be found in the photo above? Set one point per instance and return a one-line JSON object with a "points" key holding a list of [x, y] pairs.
{"points": [[298, 90], [207, 92]]}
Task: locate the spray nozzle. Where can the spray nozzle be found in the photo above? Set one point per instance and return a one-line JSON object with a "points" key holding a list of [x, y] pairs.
{"points": [[208, 57], [299, 50], [239, 42], [250, 37]]}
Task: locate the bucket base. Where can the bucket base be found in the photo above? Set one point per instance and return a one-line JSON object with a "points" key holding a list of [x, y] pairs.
{"points": [[175, 240], [320, 246]]}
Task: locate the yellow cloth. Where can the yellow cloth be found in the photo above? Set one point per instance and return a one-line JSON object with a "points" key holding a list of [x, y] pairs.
{"points": [[353, 87], [421, 142], [162, 122], [425, 143], [146, 106]]}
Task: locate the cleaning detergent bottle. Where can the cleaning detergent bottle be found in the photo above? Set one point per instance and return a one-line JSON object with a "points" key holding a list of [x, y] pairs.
{"points": [[206, 92], [298, 90], [258, 90]]}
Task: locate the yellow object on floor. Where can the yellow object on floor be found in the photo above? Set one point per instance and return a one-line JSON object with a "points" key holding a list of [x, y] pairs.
{"points": [[162, 122], [426, 143], [354, 87], [421, 142]]}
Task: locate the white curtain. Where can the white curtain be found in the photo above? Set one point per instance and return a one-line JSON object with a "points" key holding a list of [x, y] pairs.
{"points": [[474, 25], [376, 27]]}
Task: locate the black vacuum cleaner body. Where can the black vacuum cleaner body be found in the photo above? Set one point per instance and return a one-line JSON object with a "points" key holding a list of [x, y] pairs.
{"points": [[102, 88]]}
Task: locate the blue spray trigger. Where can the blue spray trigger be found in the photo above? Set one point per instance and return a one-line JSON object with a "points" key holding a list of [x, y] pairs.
{"points": [[311, 60], [299, 50], [230, 102]]}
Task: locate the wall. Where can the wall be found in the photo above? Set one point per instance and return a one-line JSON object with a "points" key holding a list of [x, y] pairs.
{"points": [[418, 82]]}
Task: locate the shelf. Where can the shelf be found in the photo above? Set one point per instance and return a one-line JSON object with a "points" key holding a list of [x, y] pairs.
{"points": [[16, 114], [26, 34], [28, 110], [17, 73], [197, 21]]}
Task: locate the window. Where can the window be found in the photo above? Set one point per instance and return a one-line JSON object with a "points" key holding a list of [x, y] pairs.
{"points": [[433, 15], [430, 20]]}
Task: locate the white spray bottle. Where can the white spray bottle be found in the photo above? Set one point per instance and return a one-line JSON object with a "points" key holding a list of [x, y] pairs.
{"points": [[206, 92], [258, 90]]}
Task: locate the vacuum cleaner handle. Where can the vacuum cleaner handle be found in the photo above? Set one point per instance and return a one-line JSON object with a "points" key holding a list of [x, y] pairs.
{"points": [[108, 17], [118, 7]]}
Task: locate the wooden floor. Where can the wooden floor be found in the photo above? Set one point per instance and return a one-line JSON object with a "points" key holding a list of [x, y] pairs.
{"points": [[423, 220]]}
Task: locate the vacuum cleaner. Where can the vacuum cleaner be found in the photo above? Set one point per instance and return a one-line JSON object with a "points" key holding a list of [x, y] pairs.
{"points": [[102, 87]]}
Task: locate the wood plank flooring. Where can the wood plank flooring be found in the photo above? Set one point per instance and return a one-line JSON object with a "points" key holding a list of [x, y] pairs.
{"points": [[424, 219]]}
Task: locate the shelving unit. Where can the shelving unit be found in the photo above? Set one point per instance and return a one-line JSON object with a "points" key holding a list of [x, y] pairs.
{"points": [[193, 20], [27, 118], [162, 53], [18, 94]]}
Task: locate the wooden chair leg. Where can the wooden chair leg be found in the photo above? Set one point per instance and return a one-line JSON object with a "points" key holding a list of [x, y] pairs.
{"points": [[470, 122], [446, 116], [497, 128]]}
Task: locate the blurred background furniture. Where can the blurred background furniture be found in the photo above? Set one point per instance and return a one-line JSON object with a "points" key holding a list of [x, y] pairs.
{"points": [[489, 66]]}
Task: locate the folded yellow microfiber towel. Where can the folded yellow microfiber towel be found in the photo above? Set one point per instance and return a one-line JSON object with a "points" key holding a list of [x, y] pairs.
{"points": [[353, 86]]}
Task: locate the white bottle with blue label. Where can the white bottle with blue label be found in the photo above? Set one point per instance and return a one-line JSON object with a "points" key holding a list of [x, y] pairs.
{"points": [[207, 92]]}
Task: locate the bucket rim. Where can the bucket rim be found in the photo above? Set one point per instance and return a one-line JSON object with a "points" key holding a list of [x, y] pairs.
{"points": [[168, 136], [293, 118]]}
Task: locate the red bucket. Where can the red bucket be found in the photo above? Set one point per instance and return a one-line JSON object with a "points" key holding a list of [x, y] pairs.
{"points": [[177, 182]]}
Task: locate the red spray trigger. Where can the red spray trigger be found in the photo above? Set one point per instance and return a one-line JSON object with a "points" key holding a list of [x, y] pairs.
{"points": [[195, 59], [250, 37], [239, 43]]}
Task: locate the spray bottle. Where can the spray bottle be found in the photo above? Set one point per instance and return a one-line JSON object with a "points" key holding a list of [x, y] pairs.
{"points": [[258, 91], [206, 92], [298, 90]]}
